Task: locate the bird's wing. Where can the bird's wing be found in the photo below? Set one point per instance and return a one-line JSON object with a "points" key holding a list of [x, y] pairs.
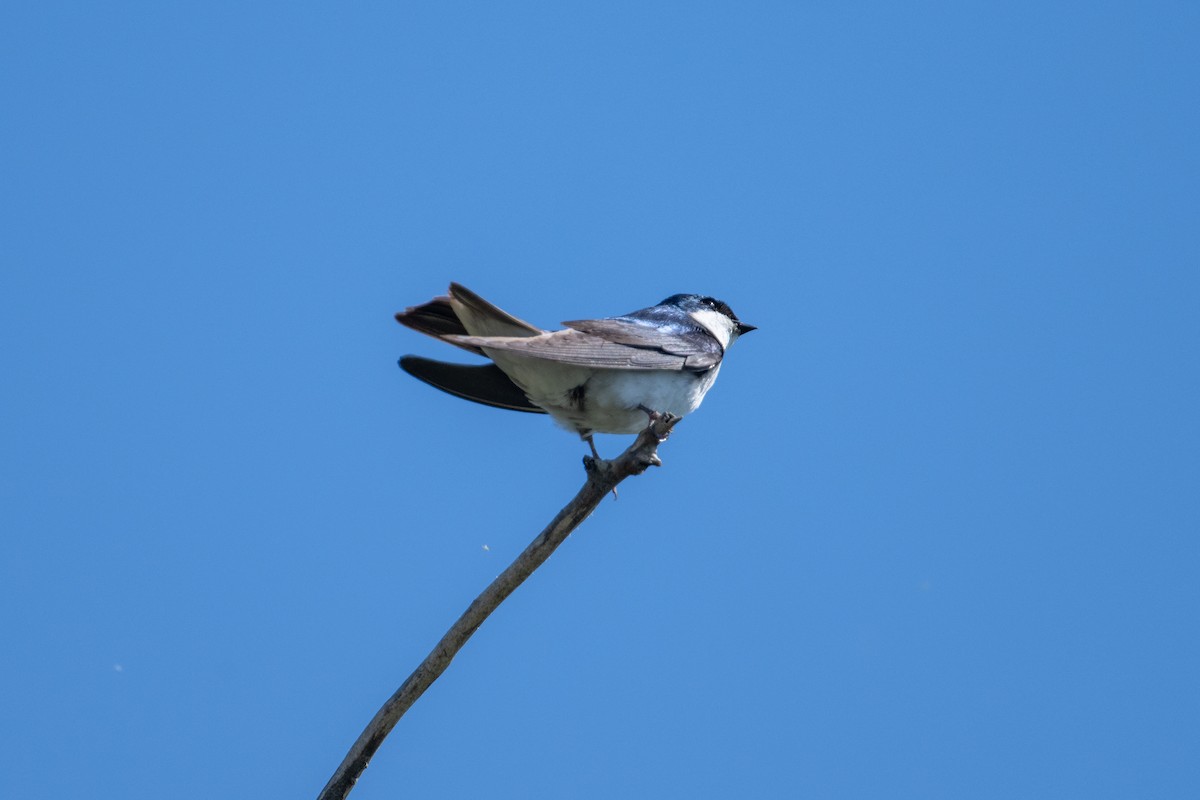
{"points": [[699, 349], [608, 344]]}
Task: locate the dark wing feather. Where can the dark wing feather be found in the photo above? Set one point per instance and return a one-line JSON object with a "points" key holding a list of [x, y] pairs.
{"points": [[485, 384]]}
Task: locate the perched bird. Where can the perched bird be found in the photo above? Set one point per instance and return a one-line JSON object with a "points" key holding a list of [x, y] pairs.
{"points": [[608, 375]]}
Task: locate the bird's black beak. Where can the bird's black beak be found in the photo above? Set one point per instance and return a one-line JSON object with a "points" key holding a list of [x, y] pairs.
{"points": [[744, 328]]}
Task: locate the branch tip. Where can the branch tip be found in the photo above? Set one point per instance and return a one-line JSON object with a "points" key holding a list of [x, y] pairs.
{"points": [[603, 475]]}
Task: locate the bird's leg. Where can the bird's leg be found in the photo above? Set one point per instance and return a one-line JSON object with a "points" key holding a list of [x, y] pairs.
{"points": [[587, 437], [650, 412]]}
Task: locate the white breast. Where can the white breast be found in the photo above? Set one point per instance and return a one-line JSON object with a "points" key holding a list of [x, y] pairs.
{"points": [[613, 396]]}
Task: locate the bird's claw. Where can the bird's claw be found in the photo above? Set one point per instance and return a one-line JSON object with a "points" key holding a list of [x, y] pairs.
{"points": [[651, 413]]}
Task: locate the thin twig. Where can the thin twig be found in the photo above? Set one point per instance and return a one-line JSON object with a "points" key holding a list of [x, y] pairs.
{"points": [[602, 478]]}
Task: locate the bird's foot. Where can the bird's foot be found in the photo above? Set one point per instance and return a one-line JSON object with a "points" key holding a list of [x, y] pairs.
{"points": [[650, 412], [661, 422], [594, 461]]}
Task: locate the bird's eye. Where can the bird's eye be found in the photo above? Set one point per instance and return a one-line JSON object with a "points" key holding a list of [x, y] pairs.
{"points": [[719, 306]]}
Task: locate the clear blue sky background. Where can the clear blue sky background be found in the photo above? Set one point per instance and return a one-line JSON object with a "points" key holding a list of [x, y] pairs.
{"points": [[934, 533]]}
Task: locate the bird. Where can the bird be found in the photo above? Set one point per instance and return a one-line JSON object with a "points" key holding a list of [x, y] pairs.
{"points": [[610, 375]]}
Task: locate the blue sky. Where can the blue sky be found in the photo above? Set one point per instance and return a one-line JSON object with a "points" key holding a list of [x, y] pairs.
{"points": [[933, 534]]}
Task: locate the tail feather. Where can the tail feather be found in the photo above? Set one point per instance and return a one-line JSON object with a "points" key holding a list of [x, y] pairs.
{"points": [[481, 318], [463, 313], [486, 383], [437, 319]]}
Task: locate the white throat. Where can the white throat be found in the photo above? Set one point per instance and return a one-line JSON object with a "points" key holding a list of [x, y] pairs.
{"points": [[716, 323]]}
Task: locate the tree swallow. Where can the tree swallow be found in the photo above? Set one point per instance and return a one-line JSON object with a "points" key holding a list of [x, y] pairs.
{"points": [[607, 375]]}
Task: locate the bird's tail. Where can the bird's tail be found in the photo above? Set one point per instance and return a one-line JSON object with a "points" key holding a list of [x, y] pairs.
{"points": [[463, 313], [481, 318]]}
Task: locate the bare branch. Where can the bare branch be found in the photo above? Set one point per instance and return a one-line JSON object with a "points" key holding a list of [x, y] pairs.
{"points": [[602, 478]]}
